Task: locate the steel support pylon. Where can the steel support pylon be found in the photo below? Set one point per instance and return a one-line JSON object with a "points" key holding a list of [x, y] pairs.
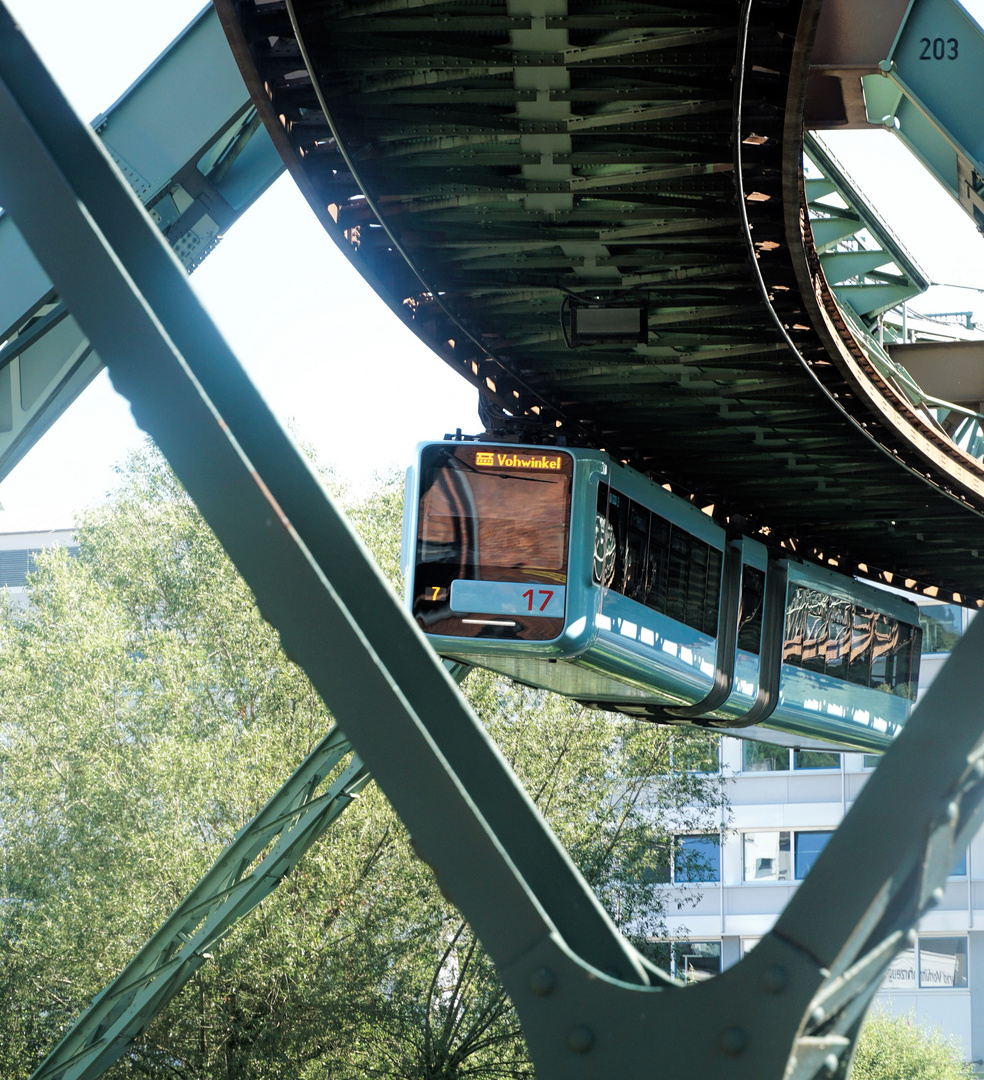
{"points": [[589, 1005]]}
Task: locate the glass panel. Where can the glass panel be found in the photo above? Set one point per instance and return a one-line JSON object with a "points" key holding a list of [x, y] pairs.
{"points": [[960, 865], [750, 616], [678, 575], [884, 653], [815, 639], [838, 638], [637, 542], [698, 858], [696, 753], [765, 856], [763, 757], [907, 656], [871, 760], [712, 593], [808, 847], [940, 627], [490, 515], [816, 759], [862, 636], [943, 962], [699, 568], [694, 961], [659, 557], [607, 566], [901, 974], [792, 652]]}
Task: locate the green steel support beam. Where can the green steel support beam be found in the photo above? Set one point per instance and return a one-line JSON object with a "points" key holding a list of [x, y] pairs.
{"points": [[856, 245], [189, 143], [927, 91], [589, 1006], [294, 819]]}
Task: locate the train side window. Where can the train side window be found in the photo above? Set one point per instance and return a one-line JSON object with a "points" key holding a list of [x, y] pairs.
{"points": [[885, 653], [659, 560], [697, 579], [636, 551], [862, 639], [792, 650], [607, 569], [678, 576], [905, 663], [750, 616], [815, 637], [712, 592], [838, 638]]}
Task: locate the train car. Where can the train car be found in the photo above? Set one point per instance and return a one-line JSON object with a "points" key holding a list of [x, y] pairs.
{"points": [[565, 570]]}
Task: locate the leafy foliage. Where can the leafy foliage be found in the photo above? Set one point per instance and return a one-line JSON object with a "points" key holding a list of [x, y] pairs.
{"points": [[148, 713], [897, 1047]]}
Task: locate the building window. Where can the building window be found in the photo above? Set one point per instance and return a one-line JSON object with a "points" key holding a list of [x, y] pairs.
{"points": [[694, 961], [697, 859], [778, 855], [941, 625], [808, 847], [960, 865], [935, 963], [816, 759], [690, 961], [17, 563], [764, 757], [696, 752]]}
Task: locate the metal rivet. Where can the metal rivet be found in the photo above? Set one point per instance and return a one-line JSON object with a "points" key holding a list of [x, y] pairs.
{"points": [[543, 981], [953, 812], [937, 894], [732, 1041], [775, 979], [830, 1064], [818, 1016], [580, 1039]]}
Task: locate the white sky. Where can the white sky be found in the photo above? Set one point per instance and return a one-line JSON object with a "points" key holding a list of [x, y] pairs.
{"points": [[342, 368]]}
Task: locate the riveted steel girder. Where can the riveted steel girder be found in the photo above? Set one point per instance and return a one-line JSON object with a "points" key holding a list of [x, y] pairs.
{"points": [[635, 154]]}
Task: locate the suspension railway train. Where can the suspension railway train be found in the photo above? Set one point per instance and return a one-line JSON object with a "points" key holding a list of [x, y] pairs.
{"points": [[563, 569]]}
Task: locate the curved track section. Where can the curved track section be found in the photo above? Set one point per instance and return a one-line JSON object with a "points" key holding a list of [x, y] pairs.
{"points": [[489, 166]]}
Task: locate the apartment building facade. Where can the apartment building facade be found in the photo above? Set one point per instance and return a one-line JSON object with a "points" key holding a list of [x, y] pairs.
{"points": [[785, 805]]}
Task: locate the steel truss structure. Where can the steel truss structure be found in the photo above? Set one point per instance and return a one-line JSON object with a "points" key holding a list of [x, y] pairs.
{"points": [[589, 1005]]}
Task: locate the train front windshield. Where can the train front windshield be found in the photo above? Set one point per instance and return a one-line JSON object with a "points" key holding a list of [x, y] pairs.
{"points": [[493, 530]]}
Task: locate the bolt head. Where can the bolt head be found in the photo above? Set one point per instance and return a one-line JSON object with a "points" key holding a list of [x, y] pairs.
{"points": [[543, 981], [580, 1038], [775, 979], [732, 1041]]}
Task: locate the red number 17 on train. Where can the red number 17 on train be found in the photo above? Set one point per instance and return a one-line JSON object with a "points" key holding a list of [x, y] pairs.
{"points": [[546, 593]]}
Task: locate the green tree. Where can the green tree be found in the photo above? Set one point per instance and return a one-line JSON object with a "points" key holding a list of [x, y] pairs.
{"points": [[146, 714], [898, 1047]]}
